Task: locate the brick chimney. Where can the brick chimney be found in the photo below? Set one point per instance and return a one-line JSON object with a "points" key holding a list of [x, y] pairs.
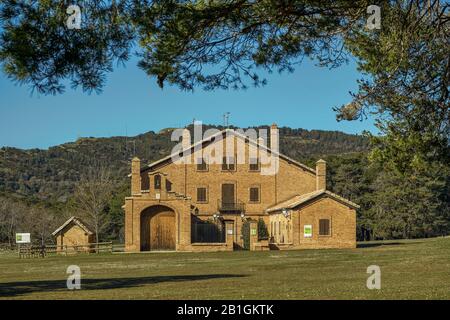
{"points": [[274, 138], [321, 175], [186, 142], [261, 141], [135, 176]]}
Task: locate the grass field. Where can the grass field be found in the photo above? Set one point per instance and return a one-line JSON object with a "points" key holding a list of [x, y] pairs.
{"points": [[413, 269]]}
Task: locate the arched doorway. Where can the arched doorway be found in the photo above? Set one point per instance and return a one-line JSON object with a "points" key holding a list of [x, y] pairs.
{"points": [[157, 228]]}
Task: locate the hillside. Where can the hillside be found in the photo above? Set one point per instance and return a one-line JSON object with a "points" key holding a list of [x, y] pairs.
{"points": [[51, 174]]}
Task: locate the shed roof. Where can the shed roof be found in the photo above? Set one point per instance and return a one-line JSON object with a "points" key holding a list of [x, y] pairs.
{"points": [[301, 199], [76, 221]]}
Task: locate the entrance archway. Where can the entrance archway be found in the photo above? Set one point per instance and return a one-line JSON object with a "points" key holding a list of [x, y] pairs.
{"points": [[157, 228]]}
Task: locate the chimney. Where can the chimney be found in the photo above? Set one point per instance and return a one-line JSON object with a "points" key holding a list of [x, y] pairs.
{"points": [[261, 141], [274, 138], [321, 175], [135, 176], [186, 142]]}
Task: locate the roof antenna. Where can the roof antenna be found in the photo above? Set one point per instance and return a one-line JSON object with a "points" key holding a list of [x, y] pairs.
{"points": [[226, 118], [134, 147]]}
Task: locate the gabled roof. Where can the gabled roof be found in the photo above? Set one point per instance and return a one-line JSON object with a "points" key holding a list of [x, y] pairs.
{"points": [[301, 199], [237, 134], [76, 221]]}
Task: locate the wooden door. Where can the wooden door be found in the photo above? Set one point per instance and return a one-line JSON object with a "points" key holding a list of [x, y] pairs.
{"points": [[162, 231], [145, 232], [228, 200]]}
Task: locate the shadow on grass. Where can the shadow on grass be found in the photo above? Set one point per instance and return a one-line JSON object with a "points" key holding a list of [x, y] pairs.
{"points": [[384, 244], [12, 289]]}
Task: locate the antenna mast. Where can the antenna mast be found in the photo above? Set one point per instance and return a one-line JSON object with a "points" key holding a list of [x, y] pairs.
{"points": [[226, 118], [134, 146]]}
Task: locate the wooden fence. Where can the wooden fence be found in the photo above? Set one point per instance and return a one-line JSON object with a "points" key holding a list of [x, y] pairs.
{"points": [[207, 232], [7, 247], [33, 251]]}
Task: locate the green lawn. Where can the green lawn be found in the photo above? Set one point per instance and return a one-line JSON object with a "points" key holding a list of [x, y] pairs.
{"points": [[414, 269]]}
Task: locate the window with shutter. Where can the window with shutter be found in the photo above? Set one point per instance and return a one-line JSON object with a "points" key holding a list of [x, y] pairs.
{"points": [[254, 194], [201, 165], [254, 164], [224, 164], [202, 194], [228, 164], [324, 227]]}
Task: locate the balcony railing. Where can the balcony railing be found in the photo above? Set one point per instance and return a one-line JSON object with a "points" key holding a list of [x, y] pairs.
{"points": [[237, 206]]}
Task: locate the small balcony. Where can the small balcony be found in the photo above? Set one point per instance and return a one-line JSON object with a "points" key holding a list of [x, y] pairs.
{"points": [[225, 206]]}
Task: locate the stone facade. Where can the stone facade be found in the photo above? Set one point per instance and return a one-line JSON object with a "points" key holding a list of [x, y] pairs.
{"points": [[175, 185]]}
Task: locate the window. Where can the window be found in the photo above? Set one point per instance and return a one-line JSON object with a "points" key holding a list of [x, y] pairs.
{"points": [[202, 194], [228, 164], [158, 182], [254, 164], [254, 194], [324, 227], [201, 165], [145, 182]]}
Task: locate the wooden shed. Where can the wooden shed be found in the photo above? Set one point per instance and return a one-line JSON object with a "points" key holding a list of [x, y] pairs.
{"points": [[74, 232]]}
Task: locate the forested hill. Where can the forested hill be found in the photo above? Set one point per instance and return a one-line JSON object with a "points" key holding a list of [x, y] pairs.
{"points": [[51, 174]]}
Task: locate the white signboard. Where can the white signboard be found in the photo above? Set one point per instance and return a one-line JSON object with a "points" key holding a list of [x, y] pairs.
{"points": [[23, 238], [307, 231]]}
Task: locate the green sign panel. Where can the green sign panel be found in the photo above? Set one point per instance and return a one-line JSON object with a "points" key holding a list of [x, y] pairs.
{"points": [[23, 238], [307, 231]]}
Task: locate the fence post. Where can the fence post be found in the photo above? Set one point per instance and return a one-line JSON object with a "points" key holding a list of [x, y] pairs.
{"points": [[229, 236], [253, 234]]}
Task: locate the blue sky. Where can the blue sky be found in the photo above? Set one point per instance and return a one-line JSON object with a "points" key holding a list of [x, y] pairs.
{"points": [[131, 103]]}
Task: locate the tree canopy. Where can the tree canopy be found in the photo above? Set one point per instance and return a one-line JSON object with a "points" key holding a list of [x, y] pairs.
{"points": [[224, 44]]}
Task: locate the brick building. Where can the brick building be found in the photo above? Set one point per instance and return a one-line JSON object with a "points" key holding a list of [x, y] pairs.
{"points": [[189, 204]]}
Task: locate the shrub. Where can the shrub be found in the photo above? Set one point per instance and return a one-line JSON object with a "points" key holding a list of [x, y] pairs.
{"points": [[245, 230], [263, 233]]}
